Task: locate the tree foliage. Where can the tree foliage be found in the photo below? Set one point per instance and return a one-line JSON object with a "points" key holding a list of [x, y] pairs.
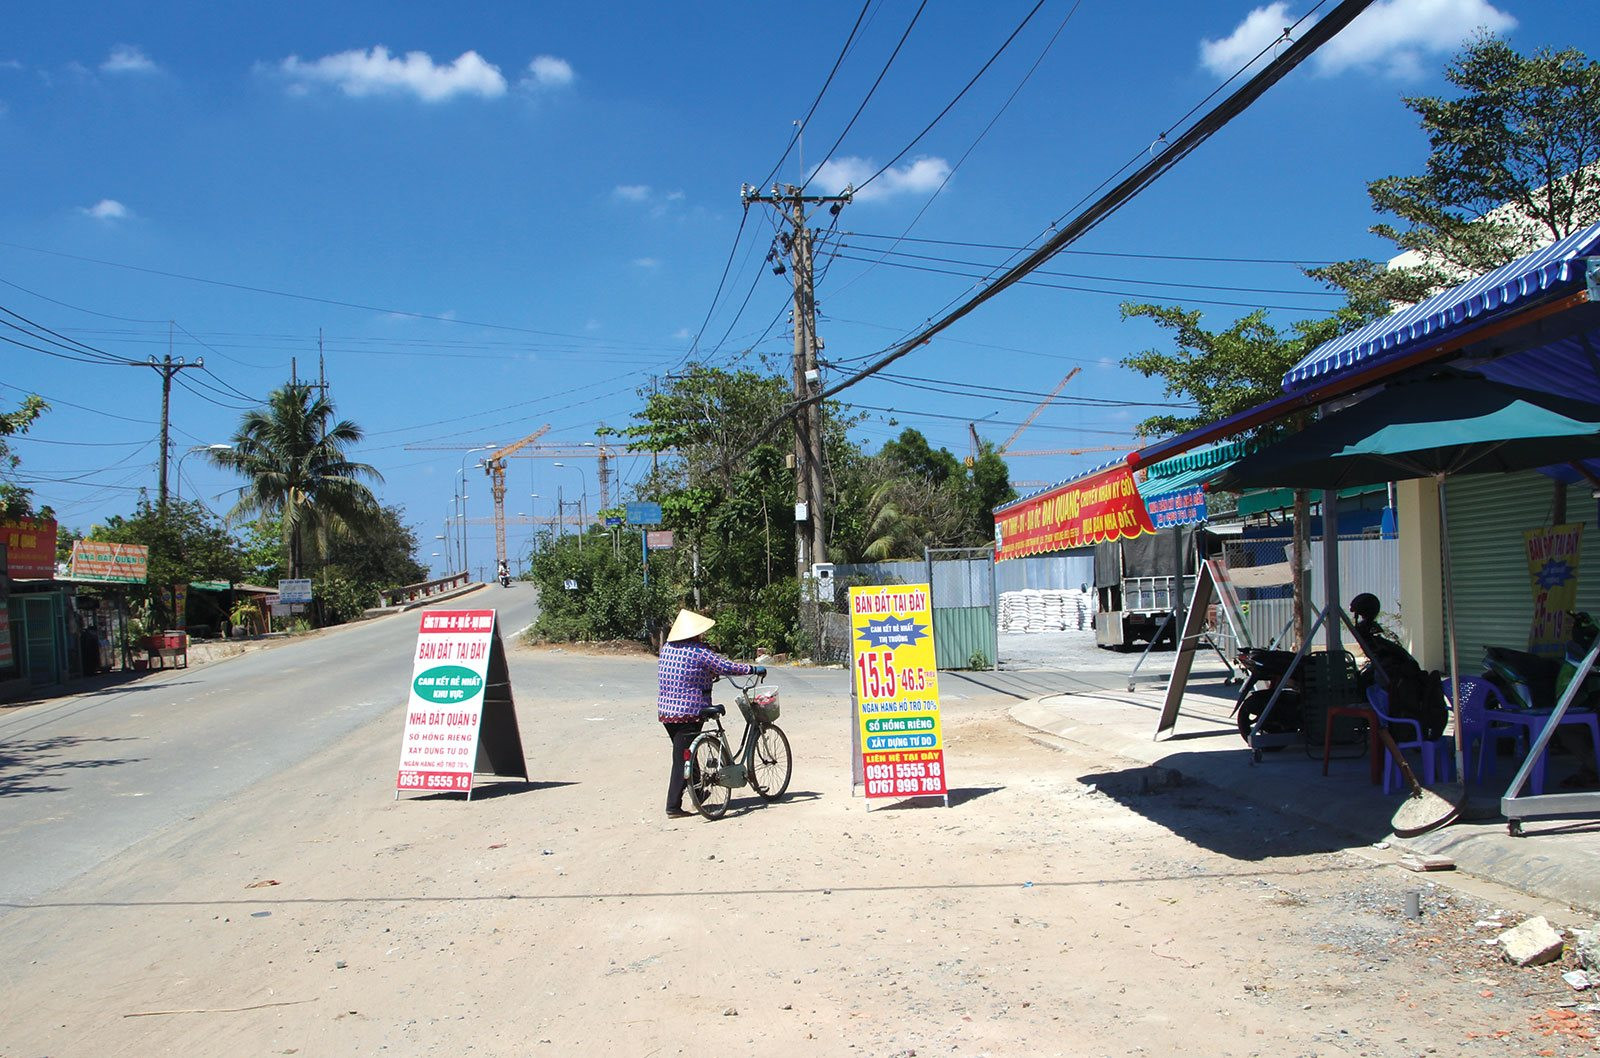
{"points": [[16, 501], [186, 541], [1222, 372], [1514, 165], [291, 454]]}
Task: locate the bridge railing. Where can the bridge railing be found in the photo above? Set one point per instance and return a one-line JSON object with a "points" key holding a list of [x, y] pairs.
{"points": [[410, 593]]}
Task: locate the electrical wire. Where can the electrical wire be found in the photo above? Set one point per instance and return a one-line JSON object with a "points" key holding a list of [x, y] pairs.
{"points": [[1297, 262], [870, 92], [1113, 200], [800, 126], [958, 96], [80, 407], [1092, 290]]}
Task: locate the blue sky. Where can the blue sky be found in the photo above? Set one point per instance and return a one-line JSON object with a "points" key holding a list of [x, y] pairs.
{"points": [[506, 215]]}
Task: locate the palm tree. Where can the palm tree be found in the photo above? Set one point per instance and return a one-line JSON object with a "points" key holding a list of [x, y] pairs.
{"points": [[294, 464]]}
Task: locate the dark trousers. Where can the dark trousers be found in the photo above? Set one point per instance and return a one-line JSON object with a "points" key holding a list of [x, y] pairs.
{"points": [[681, 734]]}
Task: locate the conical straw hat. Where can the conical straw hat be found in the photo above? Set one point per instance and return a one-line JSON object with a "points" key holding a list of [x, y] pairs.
{"points": [[687, 625]]}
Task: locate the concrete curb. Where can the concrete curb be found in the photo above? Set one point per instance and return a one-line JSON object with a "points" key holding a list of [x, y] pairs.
{"points": [[1556, 859]]}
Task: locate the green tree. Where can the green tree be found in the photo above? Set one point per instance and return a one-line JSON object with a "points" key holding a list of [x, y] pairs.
{"points": [[1221, 372], [15, 500], [186, 541], [919, 497], [1514, 165], [291, 454], [383, 554]]}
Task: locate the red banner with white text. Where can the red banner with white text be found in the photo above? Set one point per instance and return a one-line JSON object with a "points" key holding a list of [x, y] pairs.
{"points": [[1104, 506]]}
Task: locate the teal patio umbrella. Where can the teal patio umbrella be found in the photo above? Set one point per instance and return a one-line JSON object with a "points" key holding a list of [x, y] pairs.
{"points": [[1454, 422]]}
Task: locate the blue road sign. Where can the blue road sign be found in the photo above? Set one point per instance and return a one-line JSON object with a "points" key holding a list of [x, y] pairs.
{"points": [[644, 514]]}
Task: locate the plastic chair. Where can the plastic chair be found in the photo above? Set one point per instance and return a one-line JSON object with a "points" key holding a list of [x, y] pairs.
{"points": [[1525, 727], [1432, 751], [1333, 708], [1478, 729]]}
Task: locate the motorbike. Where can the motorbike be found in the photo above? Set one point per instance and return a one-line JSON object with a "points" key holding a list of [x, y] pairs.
{"points": [[505, 578], [1264, 670], [1532, 682]]}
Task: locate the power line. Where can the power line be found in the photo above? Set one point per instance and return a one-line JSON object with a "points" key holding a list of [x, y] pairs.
{"points": [[870, 92], [1113, 200], [1091, 253], [1091, 290], [800, 126], [964, 89]]}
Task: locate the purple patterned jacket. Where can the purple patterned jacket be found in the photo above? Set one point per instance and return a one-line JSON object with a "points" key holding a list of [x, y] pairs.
{"points": [[686, 671]]}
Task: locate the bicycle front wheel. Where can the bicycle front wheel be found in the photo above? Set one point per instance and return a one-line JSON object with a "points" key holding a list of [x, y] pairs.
{"points": [[709, 797], [771, 763]]}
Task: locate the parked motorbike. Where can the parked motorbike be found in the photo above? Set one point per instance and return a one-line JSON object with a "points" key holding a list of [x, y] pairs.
{"points": [[1533, 682], [1265, 669]]}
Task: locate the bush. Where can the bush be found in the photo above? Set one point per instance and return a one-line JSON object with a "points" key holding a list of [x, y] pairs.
{"points": [[608, 599]]}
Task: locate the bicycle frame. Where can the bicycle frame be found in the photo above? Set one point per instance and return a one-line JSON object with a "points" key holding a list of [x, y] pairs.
{"points": [[747, 745]]}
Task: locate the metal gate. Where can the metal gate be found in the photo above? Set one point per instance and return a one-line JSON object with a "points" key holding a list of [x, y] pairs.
{"points": [[965, 618]]}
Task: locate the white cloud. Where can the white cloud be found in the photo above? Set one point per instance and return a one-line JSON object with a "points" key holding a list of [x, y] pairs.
{"points": [[106, 209], [364, 73], [646, 262], [632, 192], [1396, 38], [1399, 37], [128, 58], [547, 71], [921, 176]]}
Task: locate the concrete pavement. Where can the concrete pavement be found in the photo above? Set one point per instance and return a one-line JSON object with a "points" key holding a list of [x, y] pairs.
{"points": [[1556, 859]]}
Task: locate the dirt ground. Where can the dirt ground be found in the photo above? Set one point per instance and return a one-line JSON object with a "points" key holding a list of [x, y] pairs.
{"points": [[1063, 904]]}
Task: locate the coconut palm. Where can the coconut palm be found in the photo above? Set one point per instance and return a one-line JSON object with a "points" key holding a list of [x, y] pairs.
{"points": [[292, 456]]}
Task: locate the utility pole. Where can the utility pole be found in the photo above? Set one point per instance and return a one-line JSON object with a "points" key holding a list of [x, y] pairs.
{"points": [[168, 369], [809, 531]]}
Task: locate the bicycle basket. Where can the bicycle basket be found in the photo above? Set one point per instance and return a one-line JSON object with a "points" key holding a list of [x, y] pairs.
{"points": [[761, 706]]}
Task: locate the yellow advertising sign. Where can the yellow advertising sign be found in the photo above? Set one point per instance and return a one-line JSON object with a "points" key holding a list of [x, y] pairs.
{"points": [[897, 691], [1553, 571]]}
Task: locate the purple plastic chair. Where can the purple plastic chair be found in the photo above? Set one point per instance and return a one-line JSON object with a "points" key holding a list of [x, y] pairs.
{"points": [[1432, 751]]}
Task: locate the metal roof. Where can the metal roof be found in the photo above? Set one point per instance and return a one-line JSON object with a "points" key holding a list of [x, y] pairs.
{"points": [[1474, 302]]}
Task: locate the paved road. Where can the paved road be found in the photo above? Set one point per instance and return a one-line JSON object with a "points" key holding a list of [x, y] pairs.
{"points": [[85, 777]]}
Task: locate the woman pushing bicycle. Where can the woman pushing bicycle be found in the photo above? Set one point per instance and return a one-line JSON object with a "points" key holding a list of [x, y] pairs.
{"points": [[685, 671]]}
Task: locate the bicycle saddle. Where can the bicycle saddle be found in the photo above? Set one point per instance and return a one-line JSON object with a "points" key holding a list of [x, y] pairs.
{"points": [[714, 710]]}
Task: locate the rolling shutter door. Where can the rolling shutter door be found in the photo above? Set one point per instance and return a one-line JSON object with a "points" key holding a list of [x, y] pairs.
{"points": [[1493, 597]]}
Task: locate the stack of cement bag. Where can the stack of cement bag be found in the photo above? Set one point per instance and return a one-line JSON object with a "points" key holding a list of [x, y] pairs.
{"points": [[1046, 610]]}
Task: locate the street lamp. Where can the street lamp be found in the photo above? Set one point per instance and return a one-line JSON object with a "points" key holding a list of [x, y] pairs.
{"points": [[177, 492], [462, 474], [583, 512]]}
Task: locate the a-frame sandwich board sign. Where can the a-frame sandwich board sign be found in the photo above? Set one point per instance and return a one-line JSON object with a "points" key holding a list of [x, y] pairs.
{"points": [[460, 716]]}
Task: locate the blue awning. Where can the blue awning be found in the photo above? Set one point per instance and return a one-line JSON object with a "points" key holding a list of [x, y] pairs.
{"points": [[1461, 308]]}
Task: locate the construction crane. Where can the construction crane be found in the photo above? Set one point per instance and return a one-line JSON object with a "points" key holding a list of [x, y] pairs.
{"points": [[1069, 451], [1034, 414], [972, 427], [495, 467]]}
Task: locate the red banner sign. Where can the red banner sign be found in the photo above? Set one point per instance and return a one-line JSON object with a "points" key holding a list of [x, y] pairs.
{"points": [[30, 547], [1101, 507]]}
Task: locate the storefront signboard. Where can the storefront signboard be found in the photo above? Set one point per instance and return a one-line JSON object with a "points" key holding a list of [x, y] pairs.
{"points": [[1553, 570], [297, 590], [1101, 507], [107, 563], [30, 547]]}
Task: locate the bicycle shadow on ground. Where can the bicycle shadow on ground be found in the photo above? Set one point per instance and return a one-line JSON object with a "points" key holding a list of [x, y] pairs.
{"points": [[741, 806], [494, 788]]}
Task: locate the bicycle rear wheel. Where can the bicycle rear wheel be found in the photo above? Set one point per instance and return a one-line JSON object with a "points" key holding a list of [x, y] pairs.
{"points": [[771, 763], [706, 756]]}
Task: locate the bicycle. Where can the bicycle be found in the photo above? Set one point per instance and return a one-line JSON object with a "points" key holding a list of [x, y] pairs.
{"points": [[763, 763]]}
